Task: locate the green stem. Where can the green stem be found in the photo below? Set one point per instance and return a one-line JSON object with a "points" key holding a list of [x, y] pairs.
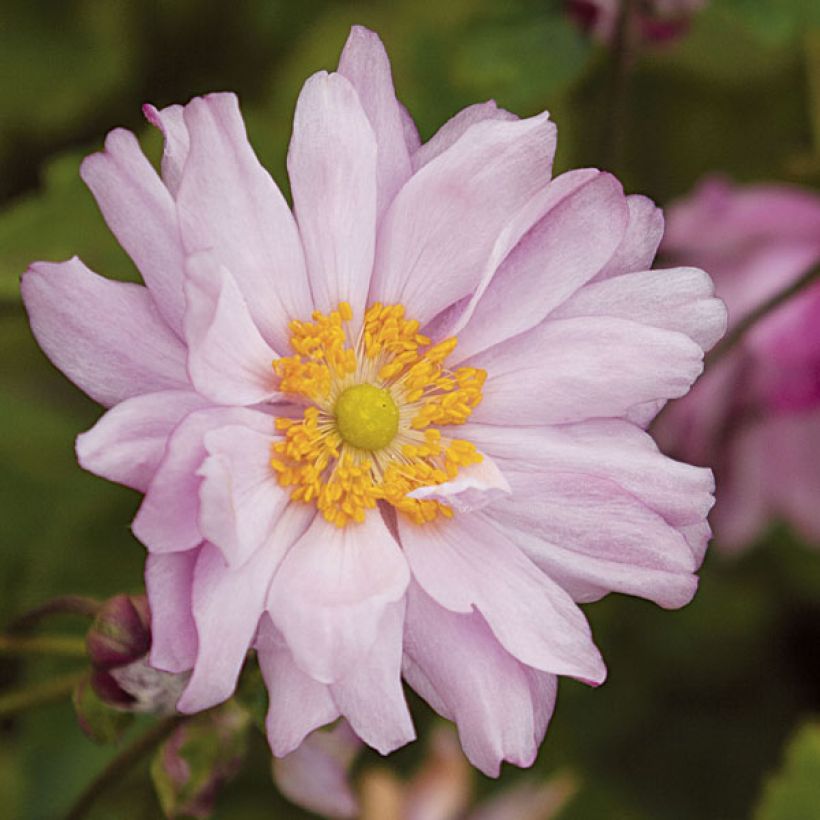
{"points": [[38, 694], [43, 645], [62, 605], [617, 100], [731, 339], [119, 765]]}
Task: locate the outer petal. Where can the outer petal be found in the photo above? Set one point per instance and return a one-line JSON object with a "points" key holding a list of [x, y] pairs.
{"points": [[228, 202], [127, 444], [463, 566], [139, 210], [679, 299], [297, 704], [240, 497], [475, 486], [565, 249], [332, 167], [169, 583], [567, 370], [227, 606], [171, 121], [107, 337], [454, 128], [331, 593], [168, 519], [640, 243], [365, 64], [228, 360], [440, 230], [454, 661]]}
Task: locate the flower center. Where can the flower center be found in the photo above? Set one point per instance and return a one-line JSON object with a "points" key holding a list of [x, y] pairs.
{"points": [[366, 416], [377, 409]]}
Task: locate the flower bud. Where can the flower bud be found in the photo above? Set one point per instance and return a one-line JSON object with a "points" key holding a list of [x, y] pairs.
{"points": [[121, 632]]}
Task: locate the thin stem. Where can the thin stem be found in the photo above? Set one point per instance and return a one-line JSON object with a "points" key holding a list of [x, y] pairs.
{"points": [[617, 101], [38, 694], [760, 312], [43, 645], [119, 765], [62, 605]]}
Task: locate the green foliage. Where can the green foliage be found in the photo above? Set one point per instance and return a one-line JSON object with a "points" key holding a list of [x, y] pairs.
{"points": [[794, 792]]}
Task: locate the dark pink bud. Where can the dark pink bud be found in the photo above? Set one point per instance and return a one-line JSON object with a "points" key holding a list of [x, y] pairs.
{"points": [[121, 632], [109, 691]]}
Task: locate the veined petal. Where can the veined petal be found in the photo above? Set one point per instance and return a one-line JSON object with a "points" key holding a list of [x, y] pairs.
{"points": [[365, 63], [228, 360], [331, 593], [641, 240], [139, 210], [463, 566], [127, 444], [106, 336], [228, 202], [455, 662], [332, 164], [171, 122]]}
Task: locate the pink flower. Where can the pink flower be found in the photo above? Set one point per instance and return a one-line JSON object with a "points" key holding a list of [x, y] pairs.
{"points": [[655, 21], [327, 476], [755, 416]]}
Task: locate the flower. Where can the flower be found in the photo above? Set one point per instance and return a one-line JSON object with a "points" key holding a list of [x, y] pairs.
{"points": [[655, 21], [755, 416], [397, 431]]}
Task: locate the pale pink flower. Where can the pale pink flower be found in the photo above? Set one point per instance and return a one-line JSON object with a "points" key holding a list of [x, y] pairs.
{"points": [[330, 490], [755, 416]]}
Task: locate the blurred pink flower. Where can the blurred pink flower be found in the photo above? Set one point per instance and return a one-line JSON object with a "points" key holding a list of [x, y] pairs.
{"points": [[294, 431], [656, 20], [755, 416]]}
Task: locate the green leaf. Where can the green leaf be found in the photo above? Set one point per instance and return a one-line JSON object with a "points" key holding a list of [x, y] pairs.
{"points": [[102, 723], [794, 792]]}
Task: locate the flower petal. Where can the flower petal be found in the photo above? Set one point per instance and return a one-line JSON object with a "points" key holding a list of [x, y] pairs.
{"points": [[462, 566], [364, 62], [440, 230], [140, 212], [641, 240], [240, 497], [228, 360], [227, 606], [297, 704], [475, 486], [331, 592], [171, 121], [169, 584], [106, 336], [228, 202], [567, 370], [455, 662], [168, 519], [577, 234], [332, 164], [127, 444]]}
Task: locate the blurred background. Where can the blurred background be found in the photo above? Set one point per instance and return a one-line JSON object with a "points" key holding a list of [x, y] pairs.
{"points": [[700, 706]]}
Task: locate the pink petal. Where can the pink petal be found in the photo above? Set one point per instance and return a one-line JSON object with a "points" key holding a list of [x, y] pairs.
{"points": [[168, 519], [228, 202], [240, 497], [567, 370], [454, 661], [169, 583], [127, 444], [371, 697], [411, 133], [454, 128], [331, 592], [365, 63], [139, 210], [332, 165], [106, 336], [228, 360], [171, 121], [462, 565], [577, 234], [679, 299], [640, 243], [438, 234], [316, 776], [475, 486], [612, 450], [227, 606], [297, 704]]}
